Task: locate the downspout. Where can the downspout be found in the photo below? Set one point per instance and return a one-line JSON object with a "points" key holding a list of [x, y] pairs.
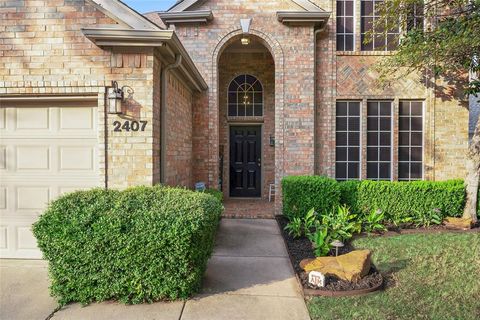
{"points": [[163, 116], [315, 98]]}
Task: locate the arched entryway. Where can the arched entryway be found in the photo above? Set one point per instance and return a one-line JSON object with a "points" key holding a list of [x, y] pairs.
{"points": [[246, 101]]}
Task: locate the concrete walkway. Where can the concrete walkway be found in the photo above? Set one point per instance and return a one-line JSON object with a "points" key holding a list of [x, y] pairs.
{"points": [[248, 277]]}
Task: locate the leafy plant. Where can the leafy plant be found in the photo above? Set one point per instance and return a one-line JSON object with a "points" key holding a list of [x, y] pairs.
{"points": [[309, 221], [294, 227], [341, 223], [374, 221], [321, 242], [433, 217]]}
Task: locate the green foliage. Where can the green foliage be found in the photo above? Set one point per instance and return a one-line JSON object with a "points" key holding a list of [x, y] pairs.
{"points": [[373, 221], [414, 266], [295, 227], [301, 193], [139, 245], [321, 241], [216, 193], [426, 219], [341, 223], [448, 48], [402, 202]]}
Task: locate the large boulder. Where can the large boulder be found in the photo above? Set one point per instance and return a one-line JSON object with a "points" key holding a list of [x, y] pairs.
{"points": [[350, 267], [458, 223]]}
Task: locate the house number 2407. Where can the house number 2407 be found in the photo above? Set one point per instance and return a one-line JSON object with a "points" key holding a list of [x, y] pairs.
{"points": [[129, 126]]}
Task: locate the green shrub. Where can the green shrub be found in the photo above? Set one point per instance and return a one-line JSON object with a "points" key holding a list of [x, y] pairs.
{"points": [[216, 193], [349, 194], [302, 193], [401, 201], [139, 245]]}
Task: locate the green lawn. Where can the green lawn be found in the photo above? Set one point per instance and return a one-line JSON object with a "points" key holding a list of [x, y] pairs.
{"points": [[434, 276]]}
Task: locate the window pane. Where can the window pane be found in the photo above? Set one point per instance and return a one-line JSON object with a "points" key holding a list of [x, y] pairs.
{"points": [[342, 108], [341, 154], [245, 97], [384, 173], [341, 171], [410, 150], [354, 154], [354, 138], [342, 138], [341, 124], [372, 171], [354, 123], [416, 139], [353, 171], [345, 25], [417, 124], [347, 140], [372, 138], [379, 139], [416, 171]]}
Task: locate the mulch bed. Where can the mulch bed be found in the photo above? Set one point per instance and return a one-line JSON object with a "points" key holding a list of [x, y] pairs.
{"points": [[301, 248]]}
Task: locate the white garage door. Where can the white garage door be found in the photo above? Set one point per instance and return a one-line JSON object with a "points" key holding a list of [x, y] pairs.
{"points": [[46, 150]]}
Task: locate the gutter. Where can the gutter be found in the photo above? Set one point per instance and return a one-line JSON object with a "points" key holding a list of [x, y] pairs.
{"points": [[165, 40], [163, 115]]}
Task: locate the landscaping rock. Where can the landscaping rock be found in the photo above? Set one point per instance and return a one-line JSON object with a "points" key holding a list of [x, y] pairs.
{"points": [[458, 223], [350, 267]]}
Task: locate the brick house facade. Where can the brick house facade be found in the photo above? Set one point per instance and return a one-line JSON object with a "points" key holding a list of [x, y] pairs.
{"points": [[180, 121]]}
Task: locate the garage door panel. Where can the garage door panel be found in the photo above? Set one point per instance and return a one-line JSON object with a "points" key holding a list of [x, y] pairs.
{"points": [[3, 118], [77, 118], [32, 198], [33, 118], [77, 158], [33, 158], [3, 158], [45, 151]]}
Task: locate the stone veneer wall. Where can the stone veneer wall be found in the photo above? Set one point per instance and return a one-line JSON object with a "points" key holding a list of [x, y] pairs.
{"points": [[260, 65], [43, 51]]}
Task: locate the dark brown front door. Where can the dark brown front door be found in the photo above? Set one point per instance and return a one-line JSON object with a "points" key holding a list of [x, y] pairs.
{"points": [[245, 161]]}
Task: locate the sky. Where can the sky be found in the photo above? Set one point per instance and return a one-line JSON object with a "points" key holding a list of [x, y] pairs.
{"points": [[143, 6]]}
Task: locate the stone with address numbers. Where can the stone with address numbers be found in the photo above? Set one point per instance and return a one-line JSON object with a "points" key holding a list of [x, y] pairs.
{"points": [[316, 279]]}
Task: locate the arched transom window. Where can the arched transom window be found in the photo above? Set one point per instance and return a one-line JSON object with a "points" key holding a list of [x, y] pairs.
{"points": [[245, 97]]}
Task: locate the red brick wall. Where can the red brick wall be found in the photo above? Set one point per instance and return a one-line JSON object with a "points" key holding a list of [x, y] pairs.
{"points": [[260, 65], [179, 133]]}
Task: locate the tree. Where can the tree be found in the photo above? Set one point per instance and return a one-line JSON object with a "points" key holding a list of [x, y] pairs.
{"points": [[439, 39]]}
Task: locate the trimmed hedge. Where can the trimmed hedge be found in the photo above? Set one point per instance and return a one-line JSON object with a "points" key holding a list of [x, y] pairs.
{"points": [[302, 193], [216, 193], [397, 200], [143, 244], [404, 199]]}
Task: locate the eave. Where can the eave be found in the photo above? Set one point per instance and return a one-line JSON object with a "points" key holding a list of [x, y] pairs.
{"points": [[202, 16], [317, 18], [166, 41]]}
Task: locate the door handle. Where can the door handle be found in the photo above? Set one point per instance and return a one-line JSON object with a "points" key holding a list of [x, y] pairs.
{"points": [[259, 162]]}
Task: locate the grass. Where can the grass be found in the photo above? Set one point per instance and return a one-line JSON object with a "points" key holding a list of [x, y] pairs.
{"points": [[429, 276]]}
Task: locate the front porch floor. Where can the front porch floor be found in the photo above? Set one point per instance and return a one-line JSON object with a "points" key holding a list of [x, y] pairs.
{"points": [[249, 208]]}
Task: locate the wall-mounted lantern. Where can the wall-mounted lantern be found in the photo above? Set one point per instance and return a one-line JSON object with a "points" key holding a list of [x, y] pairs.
{"points": [[114, 99], [272, 141]]}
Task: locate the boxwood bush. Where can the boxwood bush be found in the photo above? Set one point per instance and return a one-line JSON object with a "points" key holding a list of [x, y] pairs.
{"points": [[399, 200], [143, 244], [302, 193]]}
